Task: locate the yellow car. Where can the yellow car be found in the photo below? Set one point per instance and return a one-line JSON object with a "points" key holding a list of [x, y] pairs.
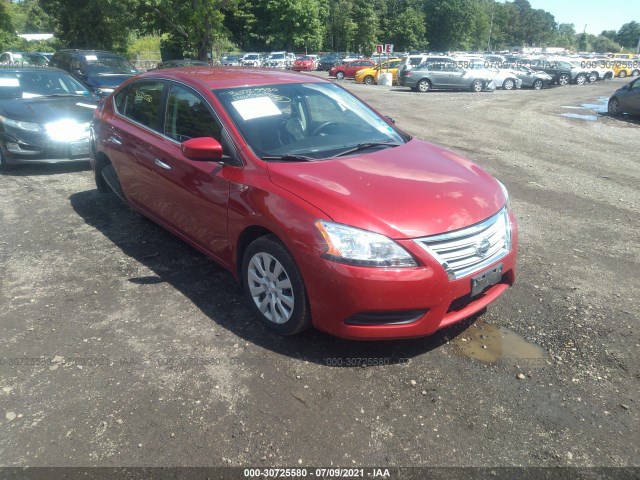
{"points": [[625, 68], [369, 76]]}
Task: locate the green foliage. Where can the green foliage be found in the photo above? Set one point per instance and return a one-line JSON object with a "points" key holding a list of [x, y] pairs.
{"points": [[629, 35], [604, 44], [199, 28]]}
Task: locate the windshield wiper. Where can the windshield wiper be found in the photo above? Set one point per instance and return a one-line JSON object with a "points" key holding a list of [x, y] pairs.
{"points": [[364, 146], [289, 158]]}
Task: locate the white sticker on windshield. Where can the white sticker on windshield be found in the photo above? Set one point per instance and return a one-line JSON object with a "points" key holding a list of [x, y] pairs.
{"points": [[258, 107], [91, 58], [9, 82]]}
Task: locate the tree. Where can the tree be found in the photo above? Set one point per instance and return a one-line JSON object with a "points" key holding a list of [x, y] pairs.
{"points": [[604, 44], [95, 25], [629, 35], [566, 35]]}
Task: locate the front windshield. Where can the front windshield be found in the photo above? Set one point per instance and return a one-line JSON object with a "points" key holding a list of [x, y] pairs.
{"points": [[277, 56], [35, 59], [42, 83], [314, 120], [108, 64]]}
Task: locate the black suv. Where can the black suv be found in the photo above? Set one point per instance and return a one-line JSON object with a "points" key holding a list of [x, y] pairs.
{"points": [[102, 71]]}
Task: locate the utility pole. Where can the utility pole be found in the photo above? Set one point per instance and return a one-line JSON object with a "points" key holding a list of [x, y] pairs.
{"points": [[490, 29]]}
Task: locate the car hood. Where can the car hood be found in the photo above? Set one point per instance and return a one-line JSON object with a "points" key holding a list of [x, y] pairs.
{"points": [[48, 109], [108, 80], [410, 191]]}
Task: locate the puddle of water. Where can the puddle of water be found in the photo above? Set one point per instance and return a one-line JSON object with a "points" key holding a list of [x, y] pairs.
{"points": [[601, 107], [591, 118], [490, 344]]}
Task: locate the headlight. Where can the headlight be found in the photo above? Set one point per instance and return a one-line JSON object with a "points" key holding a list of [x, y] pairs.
{"points": [[504, 192], [67, 130], [29, 126], [354, 246]]}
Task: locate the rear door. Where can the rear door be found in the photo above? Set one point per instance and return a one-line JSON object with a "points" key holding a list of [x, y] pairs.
{"points": [[131, 137]]}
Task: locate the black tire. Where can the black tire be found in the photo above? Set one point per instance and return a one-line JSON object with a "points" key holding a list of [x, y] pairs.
{"points": [[593, 77], [622, 74], [423, 85], [509, 84], [635, 73], [477, 86], [369, 80], [107, 180], [564, 79], [581, 79], [614, 107], [340, 75], [274, 288], [4, 166], [537, 84]]}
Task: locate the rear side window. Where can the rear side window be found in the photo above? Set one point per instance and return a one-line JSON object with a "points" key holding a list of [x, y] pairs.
{"points": [[142, 102]]}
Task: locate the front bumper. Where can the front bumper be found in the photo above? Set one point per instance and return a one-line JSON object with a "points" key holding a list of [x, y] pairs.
{"points": [[16, 152], [393, 303]]}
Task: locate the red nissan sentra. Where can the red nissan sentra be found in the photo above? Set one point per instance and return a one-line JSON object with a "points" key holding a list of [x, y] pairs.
{"points": [[326, 212]]}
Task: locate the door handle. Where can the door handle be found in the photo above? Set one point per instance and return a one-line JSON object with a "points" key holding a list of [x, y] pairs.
{"points": [[115, 139], [161, 164]]}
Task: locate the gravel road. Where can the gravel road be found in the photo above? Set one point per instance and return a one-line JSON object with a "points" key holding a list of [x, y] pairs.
{"points": [[122, 346]]}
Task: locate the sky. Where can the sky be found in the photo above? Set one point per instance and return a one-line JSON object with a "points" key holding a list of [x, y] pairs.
{"points": [[598, 15]]}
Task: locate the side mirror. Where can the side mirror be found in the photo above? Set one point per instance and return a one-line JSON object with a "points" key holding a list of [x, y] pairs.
{"points": [[204, 149], [77, 72]]}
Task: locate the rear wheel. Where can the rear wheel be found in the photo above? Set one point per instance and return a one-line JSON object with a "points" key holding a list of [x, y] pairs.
{"points": [[622, 74], [635, 73], [537, 84], [369, 80], [476, 86], [273, 285], [107, 180], [340, 75], [614, 107], [564, 79], [509, 84], [423, 85], [593, 77], [581, 79]]}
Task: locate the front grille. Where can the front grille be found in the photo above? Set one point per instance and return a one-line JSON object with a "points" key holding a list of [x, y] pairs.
{"points": [[469, 250]]}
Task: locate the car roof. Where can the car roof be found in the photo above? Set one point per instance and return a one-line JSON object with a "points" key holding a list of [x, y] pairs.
{"points": [[229, 77]]}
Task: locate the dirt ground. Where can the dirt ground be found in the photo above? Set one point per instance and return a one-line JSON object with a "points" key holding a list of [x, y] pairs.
{"points": [[122, 346]]}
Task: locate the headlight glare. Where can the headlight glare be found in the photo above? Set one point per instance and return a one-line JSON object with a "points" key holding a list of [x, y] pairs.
{"points": [[354, 246]]}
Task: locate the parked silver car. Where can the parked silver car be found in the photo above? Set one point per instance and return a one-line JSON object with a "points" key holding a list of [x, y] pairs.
{"points": [[445, 76], [504, 78], [531, 78]]}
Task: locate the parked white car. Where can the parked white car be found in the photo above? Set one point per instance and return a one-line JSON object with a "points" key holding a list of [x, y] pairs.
{"points": [[252, 60]]}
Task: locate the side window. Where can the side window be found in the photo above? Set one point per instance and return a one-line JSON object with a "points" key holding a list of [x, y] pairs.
{"points": [[142, 103], [188, 116]]}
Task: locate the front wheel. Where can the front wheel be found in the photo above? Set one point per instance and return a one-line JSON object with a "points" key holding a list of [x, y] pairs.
{"points": [[581, 79], [4, 166], [340, 75], [476, 86], [537, 84], [564, 79], [593, 77], [622, 74], [273, 285], [635, 73], [369, 80], [614, 107]]}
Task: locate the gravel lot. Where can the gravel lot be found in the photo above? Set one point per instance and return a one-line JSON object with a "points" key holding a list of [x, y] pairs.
{"points": [[122, 346]]}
